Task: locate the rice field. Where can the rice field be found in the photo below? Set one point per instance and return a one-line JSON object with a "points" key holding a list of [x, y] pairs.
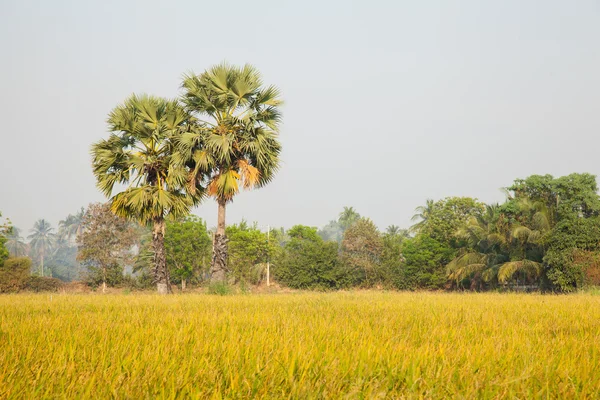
{"points": [[356, 345]]}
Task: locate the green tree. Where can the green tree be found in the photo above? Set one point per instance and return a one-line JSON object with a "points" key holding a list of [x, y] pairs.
{"points": [[235, 142], [249, 251], [105, 243], [139, 155], [308, 262], [188, 247], [42, 239], [362, 248], [424, 261]]}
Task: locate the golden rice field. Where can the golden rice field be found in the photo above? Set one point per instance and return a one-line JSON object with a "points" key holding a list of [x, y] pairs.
{"points": [[357, 345]]}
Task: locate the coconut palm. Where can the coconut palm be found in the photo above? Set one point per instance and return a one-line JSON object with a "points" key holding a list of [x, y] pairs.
{"points": [[422, 215], [348, 217], [70, 227], [14, 243], [496, 252], [235, 143], [42, 239], [139, 154]]}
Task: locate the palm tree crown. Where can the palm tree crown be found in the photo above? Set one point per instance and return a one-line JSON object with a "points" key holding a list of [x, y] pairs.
{"points": [[15, 244], [139, 154], [42, 239], [235, 143]]}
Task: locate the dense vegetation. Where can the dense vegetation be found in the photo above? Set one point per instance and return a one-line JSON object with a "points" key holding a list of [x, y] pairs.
{"points": [[337, 345], [545, 236]]}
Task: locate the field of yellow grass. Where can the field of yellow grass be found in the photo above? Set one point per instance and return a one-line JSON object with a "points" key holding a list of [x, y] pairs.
{"points": [[300, 345]]}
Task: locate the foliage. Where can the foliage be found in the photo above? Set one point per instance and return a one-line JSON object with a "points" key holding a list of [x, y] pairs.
{"points": [[42, 284], [424, 263], [14, 274], [308, 262], [188, 247], [220, 288], [139, 153], [570, 237], [249, 251], [361, 250], [105, 244]]}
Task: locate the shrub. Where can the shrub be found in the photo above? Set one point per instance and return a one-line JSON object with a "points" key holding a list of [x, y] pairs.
{"points": [[42, 284], [14, 274], [220, 288]]}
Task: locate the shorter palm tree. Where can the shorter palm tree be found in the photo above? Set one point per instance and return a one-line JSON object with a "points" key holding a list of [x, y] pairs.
{"points": [[139, 155], [70, 227], [348, 217], [42, 239], [423, 213], [15, 244]]}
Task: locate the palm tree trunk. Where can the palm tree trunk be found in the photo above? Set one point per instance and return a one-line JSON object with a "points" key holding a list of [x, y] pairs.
{"points": [[103, 279], [219, 260], [42, 262], [161, 273]]}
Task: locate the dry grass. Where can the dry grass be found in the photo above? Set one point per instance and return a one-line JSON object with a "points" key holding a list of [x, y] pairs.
{"points": [[301, 345]]}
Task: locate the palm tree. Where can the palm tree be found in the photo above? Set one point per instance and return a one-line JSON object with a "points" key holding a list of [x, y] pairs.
{"points": [[70, 227], [41, 240], [139, 154], [422, 215], [348, 217], [15, 244], [495, 251], [235, 143]]}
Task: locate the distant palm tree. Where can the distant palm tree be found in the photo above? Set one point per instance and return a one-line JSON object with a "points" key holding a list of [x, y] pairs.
{"points": [[235, 143], [348, 217], [15, 244], [42, 240], [423, 213], [393, 230], [70, 227]]}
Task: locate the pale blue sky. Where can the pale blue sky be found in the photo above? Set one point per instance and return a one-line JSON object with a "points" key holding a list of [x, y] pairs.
{"points": [[388, 103]]}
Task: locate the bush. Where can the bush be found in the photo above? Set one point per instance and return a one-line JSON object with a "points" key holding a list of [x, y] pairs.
{"points": [[220, 288], [308, 262], [14, 274], [42, 284]]}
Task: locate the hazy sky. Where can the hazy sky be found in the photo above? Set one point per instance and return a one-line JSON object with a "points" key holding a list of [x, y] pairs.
{"points": [[388, 103]]}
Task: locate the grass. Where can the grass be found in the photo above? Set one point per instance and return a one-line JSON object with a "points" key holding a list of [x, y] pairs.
{"points": [[300, 345]]}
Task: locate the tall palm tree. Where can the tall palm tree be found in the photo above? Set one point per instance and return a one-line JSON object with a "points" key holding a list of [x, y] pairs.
{"points": [[422, 215], [42, 240], [15, 244], [139, 154], [348, 217], [235, 143], [70, 227]]}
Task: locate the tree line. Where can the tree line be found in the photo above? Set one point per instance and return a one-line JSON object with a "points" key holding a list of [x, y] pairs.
{"points": [[544, 236]]}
